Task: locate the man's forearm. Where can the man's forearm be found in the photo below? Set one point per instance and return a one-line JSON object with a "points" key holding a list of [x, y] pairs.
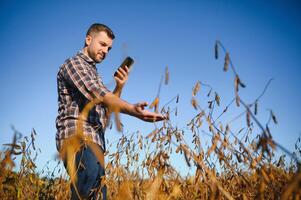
{"points": [[115, 104]]}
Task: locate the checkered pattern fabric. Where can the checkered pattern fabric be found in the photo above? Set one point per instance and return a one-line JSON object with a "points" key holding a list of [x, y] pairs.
{"points": [[76, 80]]}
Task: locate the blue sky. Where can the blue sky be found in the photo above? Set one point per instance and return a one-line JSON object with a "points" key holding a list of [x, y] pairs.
{"points": [[263, 39]]}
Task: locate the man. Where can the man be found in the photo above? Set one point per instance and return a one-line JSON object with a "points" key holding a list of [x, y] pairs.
{"points": [[78, 84]]}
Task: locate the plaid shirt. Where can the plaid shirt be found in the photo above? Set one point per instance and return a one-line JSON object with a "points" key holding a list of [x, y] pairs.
{"points": [[76, 80]]}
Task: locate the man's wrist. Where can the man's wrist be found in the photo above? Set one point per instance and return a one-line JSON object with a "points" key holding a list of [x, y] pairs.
{"points": [[117, 91], [119, 87]]}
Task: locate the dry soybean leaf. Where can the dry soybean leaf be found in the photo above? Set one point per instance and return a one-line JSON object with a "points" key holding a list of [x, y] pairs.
{"points": [[241, 84], [155, 104], [177, 101], [34, 131], [294, 185], [187, 159], [268, 131], [217, 99], [265, 176], [166, 75], [196, 88], [237, 100], [194, 103], [239, 159], [241, 130], [152, 133], [227, 129], [153, 191], [235, 141], [124, 191], [256, 107], [247, 137], [236, 83], [210, 104], [163, 110], [226, 64], [178, 149], [200, 122], [210, 128], [274, 117], [136, 157], [23, 145], [248, 117], [176, 191], [117, 121], [209, 93], [216, 50], [221, 127], [15, 146], [212, 148]]}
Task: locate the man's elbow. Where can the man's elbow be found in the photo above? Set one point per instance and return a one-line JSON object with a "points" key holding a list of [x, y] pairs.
{"points": [[111, 101]]}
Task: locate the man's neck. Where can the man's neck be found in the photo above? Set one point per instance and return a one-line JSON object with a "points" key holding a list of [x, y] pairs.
{"points": [[85, 51]]}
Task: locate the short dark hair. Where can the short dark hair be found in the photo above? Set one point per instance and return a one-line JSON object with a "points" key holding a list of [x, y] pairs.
{"points": [[96, 28]]}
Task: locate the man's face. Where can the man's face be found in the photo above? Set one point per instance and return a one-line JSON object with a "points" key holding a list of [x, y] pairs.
{"points": [[98, 45]]}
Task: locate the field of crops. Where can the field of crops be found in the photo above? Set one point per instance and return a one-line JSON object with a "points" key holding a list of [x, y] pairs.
{"points": [[233, 165]]}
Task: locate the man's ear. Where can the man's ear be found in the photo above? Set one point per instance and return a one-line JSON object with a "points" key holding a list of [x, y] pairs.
{"points": [[88, 40]]}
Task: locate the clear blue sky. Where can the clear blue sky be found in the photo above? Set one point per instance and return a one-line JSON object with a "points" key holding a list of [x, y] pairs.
{"points": [[263, 38]]}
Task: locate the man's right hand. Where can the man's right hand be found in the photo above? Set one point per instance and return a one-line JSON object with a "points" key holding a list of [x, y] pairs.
{"points": [[146, 115], [114, 103]]}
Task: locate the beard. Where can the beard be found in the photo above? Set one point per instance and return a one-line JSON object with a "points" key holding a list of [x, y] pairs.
{"points": [[97, 57]]}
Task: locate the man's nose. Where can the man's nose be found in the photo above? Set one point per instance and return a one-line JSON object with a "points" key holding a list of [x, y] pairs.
{"points": [[106, 50]]}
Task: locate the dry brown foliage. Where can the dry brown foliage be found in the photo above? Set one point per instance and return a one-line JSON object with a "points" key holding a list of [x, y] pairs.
{"points": [[234, 165]]}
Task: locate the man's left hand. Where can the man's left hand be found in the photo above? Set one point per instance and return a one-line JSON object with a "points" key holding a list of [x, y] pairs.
{"points": [[121, 76]]}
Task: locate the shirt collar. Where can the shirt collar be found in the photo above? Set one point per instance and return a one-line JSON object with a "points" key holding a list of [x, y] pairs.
{"points": [[86, 58]]}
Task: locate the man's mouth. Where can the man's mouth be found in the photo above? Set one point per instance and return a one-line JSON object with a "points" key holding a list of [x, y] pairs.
{"points": [[102, 56]]}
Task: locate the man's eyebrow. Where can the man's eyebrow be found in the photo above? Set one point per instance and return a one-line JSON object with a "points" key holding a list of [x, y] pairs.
{"points": [[104, 43]]}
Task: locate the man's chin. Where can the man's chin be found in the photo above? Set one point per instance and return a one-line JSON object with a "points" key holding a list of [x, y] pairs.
{"points": [[98, 60]]}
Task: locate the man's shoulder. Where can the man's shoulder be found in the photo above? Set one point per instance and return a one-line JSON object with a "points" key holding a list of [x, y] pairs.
{"points": [[75, 59]]}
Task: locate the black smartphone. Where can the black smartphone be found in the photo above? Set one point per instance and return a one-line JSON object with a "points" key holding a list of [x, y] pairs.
{"points": [[128, 61]]}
